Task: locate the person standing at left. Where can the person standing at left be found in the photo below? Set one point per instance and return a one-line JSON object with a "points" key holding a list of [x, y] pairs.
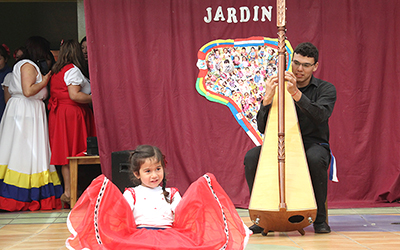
{"points": [[84, 48], [71, 119], [27, 180], [4, 70]]}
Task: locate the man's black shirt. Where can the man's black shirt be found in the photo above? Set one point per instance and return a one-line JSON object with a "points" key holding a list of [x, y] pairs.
{"points": [[313, 111]]}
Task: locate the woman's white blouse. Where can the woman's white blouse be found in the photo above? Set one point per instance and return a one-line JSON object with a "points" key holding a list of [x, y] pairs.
{"points": [[74, 76]]}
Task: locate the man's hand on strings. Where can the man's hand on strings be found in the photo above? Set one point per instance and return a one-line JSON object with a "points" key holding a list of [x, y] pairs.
{"points": [[291, 85], [270, 87]]}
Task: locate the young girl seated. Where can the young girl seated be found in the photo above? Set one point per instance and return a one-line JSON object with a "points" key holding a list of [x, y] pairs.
{"points": [[150, 216], [153, 206]]}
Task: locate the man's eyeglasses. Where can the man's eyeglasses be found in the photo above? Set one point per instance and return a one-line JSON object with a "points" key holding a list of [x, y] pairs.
{"points": [[305, 65]]}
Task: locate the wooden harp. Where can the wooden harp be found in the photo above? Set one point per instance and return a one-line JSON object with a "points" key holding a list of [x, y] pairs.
{"points": [[282, 199]]}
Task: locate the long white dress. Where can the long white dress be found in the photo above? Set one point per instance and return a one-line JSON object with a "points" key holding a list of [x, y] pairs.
{"points": [[27, 181]]}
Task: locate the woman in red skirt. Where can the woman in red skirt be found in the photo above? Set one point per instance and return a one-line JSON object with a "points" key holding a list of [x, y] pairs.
{"points": [[71, 118]]}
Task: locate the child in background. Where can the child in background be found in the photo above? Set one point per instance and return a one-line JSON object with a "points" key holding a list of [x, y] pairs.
{"points": [[155, 217], [153, 206], [4, 70]]}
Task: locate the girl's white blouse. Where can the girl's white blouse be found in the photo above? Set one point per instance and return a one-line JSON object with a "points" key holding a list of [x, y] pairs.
{"points": [[150, 207]]}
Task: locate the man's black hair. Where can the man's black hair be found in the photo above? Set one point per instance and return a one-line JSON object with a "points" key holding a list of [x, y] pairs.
{"points": [[307, 49]]}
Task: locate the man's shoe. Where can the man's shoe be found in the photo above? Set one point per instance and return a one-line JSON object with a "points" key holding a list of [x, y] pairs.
{"points": [[256, 229], [322, 228]]}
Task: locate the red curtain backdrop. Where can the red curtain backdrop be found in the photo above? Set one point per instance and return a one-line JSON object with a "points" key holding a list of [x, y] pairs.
{"points": [[143, 54]]}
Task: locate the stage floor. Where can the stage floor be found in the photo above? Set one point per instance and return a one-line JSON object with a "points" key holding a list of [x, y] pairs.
{"points": [[361, 228]]}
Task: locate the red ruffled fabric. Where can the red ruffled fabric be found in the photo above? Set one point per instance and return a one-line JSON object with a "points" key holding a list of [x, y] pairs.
{"points": [[44, 204], [204, 219]]}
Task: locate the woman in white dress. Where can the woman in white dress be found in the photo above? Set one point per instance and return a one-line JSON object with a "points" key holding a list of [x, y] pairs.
{"points": [[27, 181]]}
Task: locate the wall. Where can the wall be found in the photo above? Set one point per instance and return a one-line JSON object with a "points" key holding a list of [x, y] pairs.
{"points": [[53, 20]]}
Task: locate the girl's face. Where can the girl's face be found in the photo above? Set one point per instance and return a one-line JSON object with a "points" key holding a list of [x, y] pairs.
{"points": [[151, 173], [84, 50], [2, 62], [18, 55]]}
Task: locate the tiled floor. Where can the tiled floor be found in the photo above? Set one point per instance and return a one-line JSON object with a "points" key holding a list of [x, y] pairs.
{"points": [[369, 228], [372, 228], [33, 230]]}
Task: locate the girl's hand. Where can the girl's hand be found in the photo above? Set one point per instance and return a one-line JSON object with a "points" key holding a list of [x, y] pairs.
{"points": [[46, 78]]}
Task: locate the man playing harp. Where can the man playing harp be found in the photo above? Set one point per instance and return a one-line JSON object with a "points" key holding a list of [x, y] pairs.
{"points": [[314, 99]]}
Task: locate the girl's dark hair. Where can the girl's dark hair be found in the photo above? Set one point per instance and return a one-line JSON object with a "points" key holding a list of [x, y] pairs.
{"points": [[4, 53], [70, 52], [22, 48], [139, 156], [38, 48], [83, 40]]}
